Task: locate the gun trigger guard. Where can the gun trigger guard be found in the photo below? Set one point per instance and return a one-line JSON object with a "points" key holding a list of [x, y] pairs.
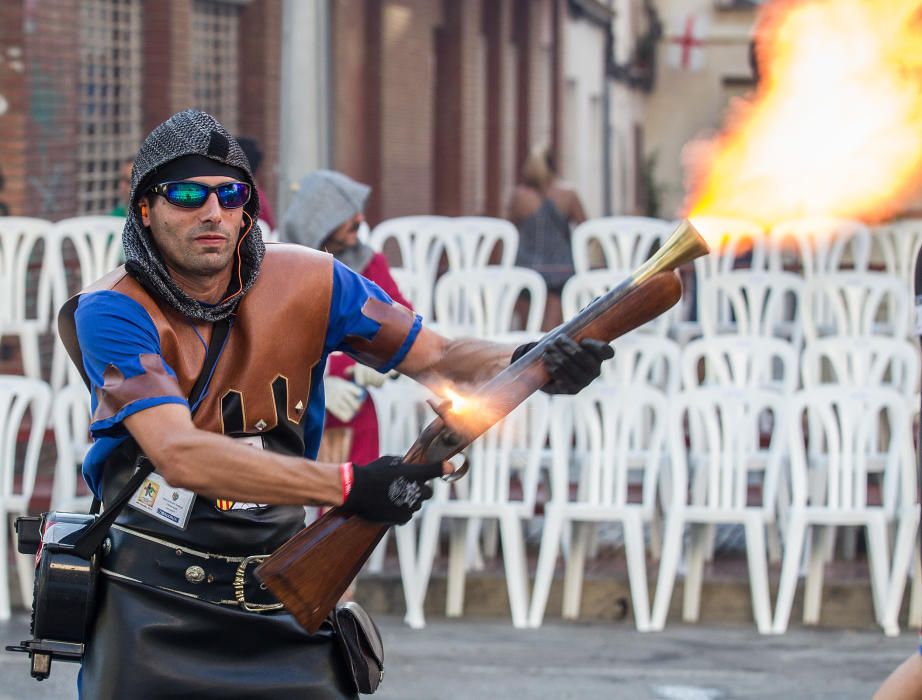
{"points": [[457, 473]]}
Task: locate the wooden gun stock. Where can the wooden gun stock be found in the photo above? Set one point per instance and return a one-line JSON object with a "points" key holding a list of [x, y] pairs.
{"points": [[311, 571]]}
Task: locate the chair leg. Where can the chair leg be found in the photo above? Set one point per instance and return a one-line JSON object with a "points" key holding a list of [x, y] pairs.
{"points": [[405, 537], [915, 593], [376, 560], [879, 570], [4, 567], [516, 568], [635, 553], [698, 546], [668, 565], [903, 549], [473, 550], [457, 568], [547, 558], [573, 575], [813, 586], [795, 533], [757, 558], [489, 538], [428, 544]]}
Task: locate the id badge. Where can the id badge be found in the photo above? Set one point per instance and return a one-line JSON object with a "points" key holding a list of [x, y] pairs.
{"points": [[164, 502]]}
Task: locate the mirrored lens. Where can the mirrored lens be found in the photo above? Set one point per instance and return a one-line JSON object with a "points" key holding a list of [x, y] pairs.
{"points": [[233, 195], [186, 194]]}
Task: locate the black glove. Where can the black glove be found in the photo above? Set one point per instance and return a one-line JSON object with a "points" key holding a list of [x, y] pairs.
{"points": [[389, 491], [572, 366]]}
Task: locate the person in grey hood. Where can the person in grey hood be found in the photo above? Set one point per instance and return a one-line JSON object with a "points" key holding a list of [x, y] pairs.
{"points": [[325, 213], [204, 356]]}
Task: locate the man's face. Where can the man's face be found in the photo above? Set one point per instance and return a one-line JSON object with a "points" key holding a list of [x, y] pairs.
{"points": [[195, 242], [345, 237]]}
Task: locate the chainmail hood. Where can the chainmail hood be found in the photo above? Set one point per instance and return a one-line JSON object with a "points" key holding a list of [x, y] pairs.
{"points": [[186, 133]]}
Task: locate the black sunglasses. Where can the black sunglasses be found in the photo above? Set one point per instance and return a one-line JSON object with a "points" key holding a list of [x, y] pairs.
{"points": [[192, 195]]}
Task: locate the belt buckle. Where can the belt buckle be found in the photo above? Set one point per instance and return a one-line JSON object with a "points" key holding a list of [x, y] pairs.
{"points": [[239, 593]]}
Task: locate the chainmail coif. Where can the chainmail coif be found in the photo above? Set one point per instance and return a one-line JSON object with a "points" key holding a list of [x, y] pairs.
{"points": [[189, 132]]}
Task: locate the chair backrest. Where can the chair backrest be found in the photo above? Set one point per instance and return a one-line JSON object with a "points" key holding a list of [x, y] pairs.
{"points": [[619, 434], [746, 302], [23, 243], [97, 243], [848, 428], [583, 287], [71, 420], [416, 245], [862, 362], [735, 244], [644, 360], [905, 239], [741, 361], [819, 245], [620, 242], [20, 396], [855, 304], [485, 240], [726, 430], [505, 461], [402, 412], [482, 302]]}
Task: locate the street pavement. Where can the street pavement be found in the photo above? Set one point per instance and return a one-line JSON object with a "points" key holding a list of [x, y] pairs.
{"points": [[470, 659]]}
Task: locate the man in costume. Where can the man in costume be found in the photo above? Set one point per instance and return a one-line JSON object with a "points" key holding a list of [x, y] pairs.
{"points": [[179, 612], [325, 213]]}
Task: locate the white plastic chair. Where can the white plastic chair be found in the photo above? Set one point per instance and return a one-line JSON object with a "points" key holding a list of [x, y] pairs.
{"points": [[583, 287], [23, 242], [402, 414], [621, 242], [479, 237], [764, 304], [843, 420], [905, 239], [622, 431], [419, 242], [741, 361], [71, 420], [96, 243], [482, 302], [736, 244], [855, 304], [863, 362], [724, 471], [501, 485], [19, 396], [820, 245]]}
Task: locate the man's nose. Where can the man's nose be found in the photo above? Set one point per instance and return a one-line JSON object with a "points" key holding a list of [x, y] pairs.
{"points": [[211, 209]]}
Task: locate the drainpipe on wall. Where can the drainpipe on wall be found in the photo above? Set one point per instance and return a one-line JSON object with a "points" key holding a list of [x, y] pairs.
{"points": [[306, 98]]}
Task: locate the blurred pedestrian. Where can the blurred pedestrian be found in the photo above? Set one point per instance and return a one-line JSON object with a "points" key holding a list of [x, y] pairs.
{"points": [[254, 154], [544, 209], [325, 213], [124, 188]]}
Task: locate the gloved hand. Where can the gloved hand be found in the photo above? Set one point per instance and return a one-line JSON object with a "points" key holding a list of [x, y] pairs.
{"points": [[572, 365], [343, 398], [366, 376], [389, 491]]}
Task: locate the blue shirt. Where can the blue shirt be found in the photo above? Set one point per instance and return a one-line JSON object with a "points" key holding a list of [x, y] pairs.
{"points": [[114, 329]]}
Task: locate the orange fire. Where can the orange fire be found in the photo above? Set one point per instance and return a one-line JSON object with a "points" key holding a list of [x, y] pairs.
{"points": [[835, 126]]}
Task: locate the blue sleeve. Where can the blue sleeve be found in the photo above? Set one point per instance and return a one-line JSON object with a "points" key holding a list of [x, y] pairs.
{"points": [[114, 329], [350, 292]]}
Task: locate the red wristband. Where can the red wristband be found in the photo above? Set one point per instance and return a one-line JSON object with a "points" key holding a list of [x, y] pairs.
{"points": [[345, 474]]}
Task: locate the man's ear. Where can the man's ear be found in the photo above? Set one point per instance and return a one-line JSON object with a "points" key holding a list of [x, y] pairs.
{"points": [[145, 211]]}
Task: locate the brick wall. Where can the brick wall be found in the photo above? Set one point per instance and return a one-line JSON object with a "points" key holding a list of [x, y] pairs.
{"points": [[15, 108]]}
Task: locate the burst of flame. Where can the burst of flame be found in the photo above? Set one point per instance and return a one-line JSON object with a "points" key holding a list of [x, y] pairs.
{"points": [[835, 126], [460, 404]]}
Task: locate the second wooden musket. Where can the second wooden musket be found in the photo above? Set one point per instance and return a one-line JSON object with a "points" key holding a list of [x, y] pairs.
{"points": [[310, 572]]}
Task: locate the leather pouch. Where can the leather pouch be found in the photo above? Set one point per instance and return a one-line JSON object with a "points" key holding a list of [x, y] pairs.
{"points": [[360, 643]]}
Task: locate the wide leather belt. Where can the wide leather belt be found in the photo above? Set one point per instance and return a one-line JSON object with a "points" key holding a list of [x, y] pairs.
{"points": [[215, 578]]}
